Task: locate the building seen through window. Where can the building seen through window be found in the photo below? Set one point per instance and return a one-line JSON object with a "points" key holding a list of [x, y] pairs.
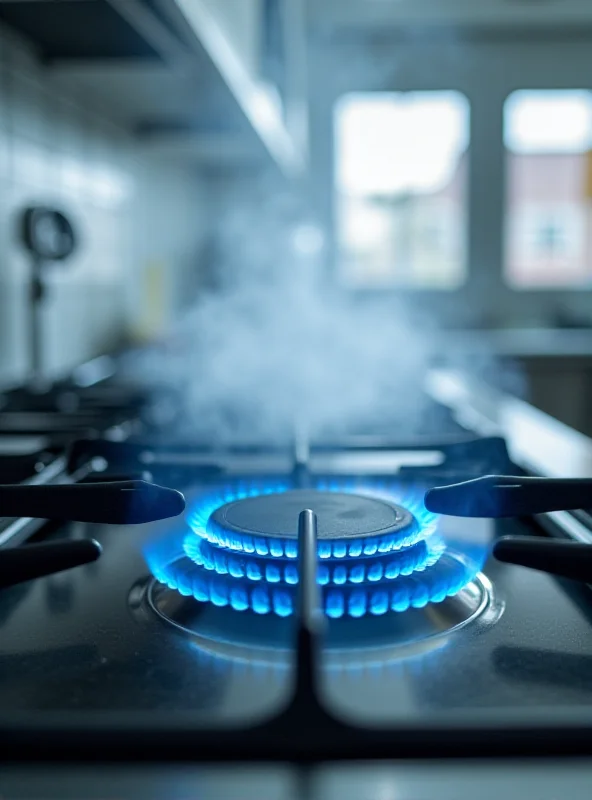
{"points": [[548, 226], [401, 189]]}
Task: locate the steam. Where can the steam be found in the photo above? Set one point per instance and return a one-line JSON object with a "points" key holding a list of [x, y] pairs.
{"points": [[274, 345], [271, 343]]}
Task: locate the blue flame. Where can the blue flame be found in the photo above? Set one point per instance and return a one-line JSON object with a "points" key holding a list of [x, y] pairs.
{"points": [[199, 520], [368, 576], [200, 513], [162, 551], [330, 571], [433, 584]]}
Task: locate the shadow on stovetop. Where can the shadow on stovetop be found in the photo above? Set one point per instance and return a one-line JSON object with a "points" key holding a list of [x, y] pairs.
{"points": [[11, 600], [534, 665], [59, 597], [76, 677]]}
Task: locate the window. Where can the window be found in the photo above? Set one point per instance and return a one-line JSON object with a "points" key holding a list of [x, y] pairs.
{"points": [[548, 230], [401, 189]]}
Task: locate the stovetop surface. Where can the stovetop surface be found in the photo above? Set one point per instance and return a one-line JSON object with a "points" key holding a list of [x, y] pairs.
{"points": [[90, 672], [87, 641], [90, 649]]}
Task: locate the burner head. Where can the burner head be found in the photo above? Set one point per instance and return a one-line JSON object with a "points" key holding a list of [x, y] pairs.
{"points": [[379, 552], [341, 517]]}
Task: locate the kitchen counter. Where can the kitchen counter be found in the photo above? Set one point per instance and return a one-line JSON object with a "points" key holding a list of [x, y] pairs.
{"points": [[551, 368], [536, 441]]}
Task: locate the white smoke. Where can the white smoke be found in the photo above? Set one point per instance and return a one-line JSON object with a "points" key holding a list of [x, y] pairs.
{"points": [[276, 344], [271, 342]]}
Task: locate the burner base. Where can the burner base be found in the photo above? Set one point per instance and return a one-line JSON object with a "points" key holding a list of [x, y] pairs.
{"points": [[347, 642]]}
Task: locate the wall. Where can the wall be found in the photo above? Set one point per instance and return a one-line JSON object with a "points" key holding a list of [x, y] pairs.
{"points": [[486, 69], [140, 222]]}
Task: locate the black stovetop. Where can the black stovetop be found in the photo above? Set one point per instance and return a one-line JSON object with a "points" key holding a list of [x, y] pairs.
{"points": [[92, 647], [106, 659], [88, 641]]}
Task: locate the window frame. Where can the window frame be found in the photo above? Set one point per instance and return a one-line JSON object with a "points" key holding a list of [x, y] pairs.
{"points": [[465, 232], [486, 71], [542, 287]]}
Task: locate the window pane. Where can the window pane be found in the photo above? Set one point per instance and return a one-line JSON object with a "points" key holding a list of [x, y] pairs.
{"points": [[548, 139], [401, 188]]}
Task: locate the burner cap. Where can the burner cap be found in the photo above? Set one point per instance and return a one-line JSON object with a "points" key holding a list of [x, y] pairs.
{"points": [[340, 515]]}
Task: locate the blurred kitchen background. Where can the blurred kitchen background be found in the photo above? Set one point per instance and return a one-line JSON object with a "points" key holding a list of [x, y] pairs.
{"points": [[436, 153]]}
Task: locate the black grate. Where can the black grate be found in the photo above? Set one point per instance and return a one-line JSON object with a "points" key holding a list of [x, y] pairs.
{"points": [[304, 731]]}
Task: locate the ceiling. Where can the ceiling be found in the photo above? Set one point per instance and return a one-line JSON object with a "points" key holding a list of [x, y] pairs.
{"points": [[156, 74], [153, 78]]}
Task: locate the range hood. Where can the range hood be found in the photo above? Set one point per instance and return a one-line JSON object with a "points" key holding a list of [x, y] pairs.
{"points": [[174, 74]]}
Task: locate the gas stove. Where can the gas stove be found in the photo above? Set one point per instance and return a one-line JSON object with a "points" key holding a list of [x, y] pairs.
{"points": [[305, 608]]}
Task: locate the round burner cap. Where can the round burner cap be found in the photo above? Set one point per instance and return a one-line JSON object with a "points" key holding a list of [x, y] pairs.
{"points": [[268, 524]]}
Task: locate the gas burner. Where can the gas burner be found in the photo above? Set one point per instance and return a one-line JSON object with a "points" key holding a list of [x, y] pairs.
{"points": [[379, 555], [444, 579]]}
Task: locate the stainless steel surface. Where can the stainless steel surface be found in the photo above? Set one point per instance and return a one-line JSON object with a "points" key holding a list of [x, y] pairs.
{"points": [[536, 441]]}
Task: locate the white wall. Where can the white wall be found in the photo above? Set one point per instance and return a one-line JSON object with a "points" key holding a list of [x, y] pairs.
{"points": [[140, 222]]}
